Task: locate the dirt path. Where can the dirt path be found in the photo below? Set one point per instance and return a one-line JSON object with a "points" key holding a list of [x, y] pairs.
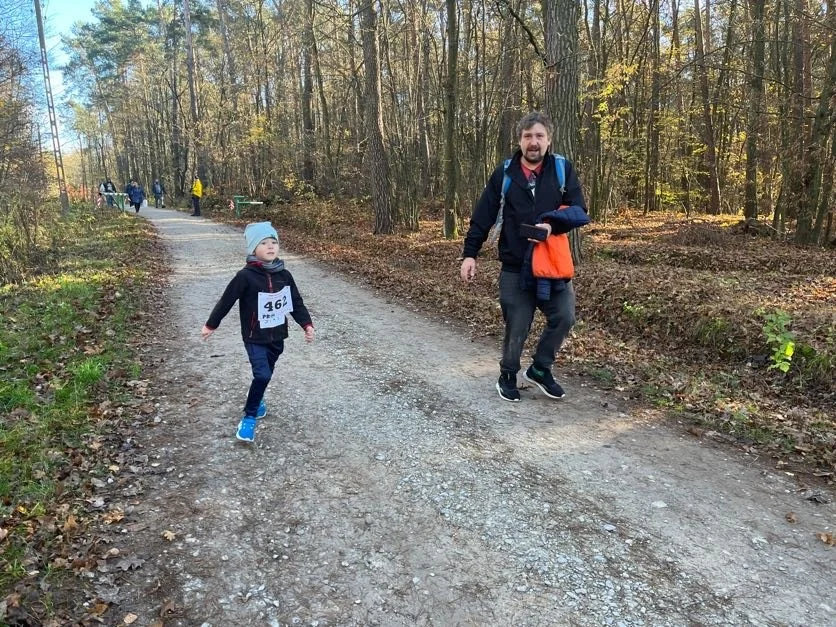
{"points": [[389, 485]]}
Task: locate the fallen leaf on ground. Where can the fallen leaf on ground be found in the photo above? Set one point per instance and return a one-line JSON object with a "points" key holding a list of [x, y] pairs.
{"points": [[70, 524], [113, 516], [828, 538], [100, 608]]}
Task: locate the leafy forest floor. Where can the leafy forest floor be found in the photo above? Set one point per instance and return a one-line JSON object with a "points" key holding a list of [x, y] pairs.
{"points": [[688, 317], [681, 318]]}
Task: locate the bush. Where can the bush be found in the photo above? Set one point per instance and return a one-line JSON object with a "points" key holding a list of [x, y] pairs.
{"points": [[27, 227]]}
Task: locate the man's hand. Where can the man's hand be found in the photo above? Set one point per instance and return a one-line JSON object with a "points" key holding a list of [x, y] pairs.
{"points": [[468, 269], [309, 334], [205, 332], [545, 225]]}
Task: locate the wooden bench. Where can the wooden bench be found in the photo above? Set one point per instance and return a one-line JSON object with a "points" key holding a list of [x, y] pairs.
{"points": [[237, 201]]}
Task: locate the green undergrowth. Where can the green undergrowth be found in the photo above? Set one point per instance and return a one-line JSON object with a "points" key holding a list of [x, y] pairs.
{"points": [[65, 338]]}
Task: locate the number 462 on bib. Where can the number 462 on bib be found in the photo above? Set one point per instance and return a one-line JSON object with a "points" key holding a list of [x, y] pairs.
{"points": [[273, 307]]}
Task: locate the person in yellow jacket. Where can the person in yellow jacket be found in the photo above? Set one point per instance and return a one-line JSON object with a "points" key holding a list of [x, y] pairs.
{"points": [[197, 192]]}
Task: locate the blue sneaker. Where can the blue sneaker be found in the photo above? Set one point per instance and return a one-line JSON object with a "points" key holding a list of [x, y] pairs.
{"points": [[246, 429], [262, 410]]}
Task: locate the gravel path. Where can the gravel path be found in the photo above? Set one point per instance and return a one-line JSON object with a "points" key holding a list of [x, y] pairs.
{"points": [[389, 485]]}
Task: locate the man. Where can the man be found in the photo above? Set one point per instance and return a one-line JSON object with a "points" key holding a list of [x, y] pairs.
{"points": [[533, 192], [109, 189], [158, 189], [197, 192]]}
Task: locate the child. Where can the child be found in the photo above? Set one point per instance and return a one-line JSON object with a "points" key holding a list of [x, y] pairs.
{"points": [[266, 293]]}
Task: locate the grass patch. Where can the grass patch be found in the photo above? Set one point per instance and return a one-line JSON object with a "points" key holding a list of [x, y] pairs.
{"points": [[603, 376], [65, 337]]}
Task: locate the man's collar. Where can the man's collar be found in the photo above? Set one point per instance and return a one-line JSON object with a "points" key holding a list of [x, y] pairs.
{"points": [[527, 171]]}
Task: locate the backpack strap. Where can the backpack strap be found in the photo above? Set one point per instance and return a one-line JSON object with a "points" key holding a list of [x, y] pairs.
{"points": [[560, 170], [497, 226]]}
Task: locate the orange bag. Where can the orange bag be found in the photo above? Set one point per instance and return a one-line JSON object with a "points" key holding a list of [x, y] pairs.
{"points": [[552, 259]]}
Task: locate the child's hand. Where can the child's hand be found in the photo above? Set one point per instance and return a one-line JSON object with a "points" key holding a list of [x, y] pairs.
{"points": [[309, 334], [205, 332]]}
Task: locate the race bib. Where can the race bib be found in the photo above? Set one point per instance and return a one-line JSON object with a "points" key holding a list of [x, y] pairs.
{"points": [[274, 307]]}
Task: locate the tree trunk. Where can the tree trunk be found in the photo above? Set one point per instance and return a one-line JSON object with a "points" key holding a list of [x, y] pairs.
{"points": [[418, 39], [232, 68], [308, 130], [793, 186], [825, 211], [817, 152], [560, 21], [325, 114], [708, 124], [377, 163], [451, 199], [753, 123], [190, 67], [651, 180], [509, 78]]}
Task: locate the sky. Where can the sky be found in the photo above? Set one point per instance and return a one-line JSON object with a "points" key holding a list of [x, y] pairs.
{"points": [[59, 16]]}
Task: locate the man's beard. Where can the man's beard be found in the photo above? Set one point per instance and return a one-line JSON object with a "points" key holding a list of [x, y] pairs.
{"points": [[534, 156]]}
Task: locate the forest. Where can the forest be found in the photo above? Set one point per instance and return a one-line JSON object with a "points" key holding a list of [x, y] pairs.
{"points": [[697, 106], [702, 131]]}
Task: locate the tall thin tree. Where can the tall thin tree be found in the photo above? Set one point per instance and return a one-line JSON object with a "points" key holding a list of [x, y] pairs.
{"points": [[753, 121], [560, 21], [713, 183], [377, 162], [451, 196], [190, 66]]}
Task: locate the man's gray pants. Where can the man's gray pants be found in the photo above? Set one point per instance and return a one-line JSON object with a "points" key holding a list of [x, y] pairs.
{"points": [[518, 308]]}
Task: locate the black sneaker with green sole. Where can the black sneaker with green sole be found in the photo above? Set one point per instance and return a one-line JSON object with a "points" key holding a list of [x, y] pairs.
{"points": [[544, 380]]}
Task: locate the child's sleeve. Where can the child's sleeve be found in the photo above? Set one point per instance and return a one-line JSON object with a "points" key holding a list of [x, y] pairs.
{"points": [[231, 294], [300, 312], [567, 218]]}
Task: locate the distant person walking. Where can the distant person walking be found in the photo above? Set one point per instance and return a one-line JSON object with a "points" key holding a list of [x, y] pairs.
{"points": [[136, 195], [109, 190], [266, 293], [197, 192], [158, 189]]}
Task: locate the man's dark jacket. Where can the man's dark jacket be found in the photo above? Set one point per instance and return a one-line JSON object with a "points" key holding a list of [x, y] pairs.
{"points": [[244, 288], [521, 207]]}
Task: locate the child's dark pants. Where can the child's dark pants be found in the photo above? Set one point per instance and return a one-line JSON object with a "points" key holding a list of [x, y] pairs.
{"points": [[263, 360]]}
